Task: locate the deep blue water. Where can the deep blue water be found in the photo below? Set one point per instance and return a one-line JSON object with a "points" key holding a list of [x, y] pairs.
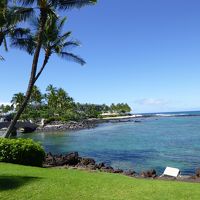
{"points": [[156, 142]]}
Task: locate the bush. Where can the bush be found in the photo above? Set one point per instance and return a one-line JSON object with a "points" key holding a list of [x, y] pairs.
{"points": [[21, 151]]}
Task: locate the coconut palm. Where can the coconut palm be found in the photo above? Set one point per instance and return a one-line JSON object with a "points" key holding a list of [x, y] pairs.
{"points": [[47, 8], [17, 100], [54, 42], [64, 101], [36, 97], [9, 18], [58, 100], [51, 96]]}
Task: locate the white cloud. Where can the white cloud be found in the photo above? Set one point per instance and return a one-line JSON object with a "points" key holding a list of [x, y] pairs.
{"points": [[151, 102], [151, 105]]}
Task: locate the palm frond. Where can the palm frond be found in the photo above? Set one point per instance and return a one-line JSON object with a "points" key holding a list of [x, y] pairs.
{"points": [[1, 38], [69, 4], [5, 44], [27, 44], [60, 40], [20, 32], [71, 57], [52, 13], [26, 2], [65, 36], [62, 22], [1, 58], [71, 44], [22, 13]]}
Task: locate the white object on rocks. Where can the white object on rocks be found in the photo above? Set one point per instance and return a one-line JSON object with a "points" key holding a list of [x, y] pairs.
{"points": [[170, 171], [42, 122]]}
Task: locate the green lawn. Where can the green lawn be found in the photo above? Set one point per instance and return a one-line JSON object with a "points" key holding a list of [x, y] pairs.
{"points": [[26, 183]]}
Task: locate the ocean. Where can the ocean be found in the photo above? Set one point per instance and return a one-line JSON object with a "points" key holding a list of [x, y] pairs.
{"points": [[158, 141]]}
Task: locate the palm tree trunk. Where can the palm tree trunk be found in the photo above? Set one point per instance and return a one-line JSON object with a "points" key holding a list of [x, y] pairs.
{"points": [[46, 59], [43, 18]]}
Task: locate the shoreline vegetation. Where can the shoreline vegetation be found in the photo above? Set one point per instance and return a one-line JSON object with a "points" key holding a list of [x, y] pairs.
{"points": [[55, 109]]}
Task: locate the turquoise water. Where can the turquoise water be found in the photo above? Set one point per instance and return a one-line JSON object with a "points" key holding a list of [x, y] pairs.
{"points": [[156, 142]]}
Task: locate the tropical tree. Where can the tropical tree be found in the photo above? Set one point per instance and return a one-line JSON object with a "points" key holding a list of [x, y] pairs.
{"points": [[9, 18], [5, 25], [54, 42], [64, 101], [58, 101], [5, 108], [36, 97], [17, 100], [51, 97], [120, 108], [47, 9]]}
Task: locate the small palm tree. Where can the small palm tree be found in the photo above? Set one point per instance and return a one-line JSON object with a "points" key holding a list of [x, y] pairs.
{"points": [[17, 100]]}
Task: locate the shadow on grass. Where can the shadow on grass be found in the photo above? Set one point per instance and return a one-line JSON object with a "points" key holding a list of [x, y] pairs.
{"points": [[13, 182]]}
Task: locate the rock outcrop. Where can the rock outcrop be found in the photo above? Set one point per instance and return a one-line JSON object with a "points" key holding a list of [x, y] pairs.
{"points": [[74, 160], [72, 125], [197, 173], [149, 173]]}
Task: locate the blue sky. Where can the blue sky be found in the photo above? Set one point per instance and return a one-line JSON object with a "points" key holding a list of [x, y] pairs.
{"points": [[145, 53]]}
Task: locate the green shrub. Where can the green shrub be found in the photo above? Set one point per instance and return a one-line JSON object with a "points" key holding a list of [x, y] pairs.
{"points": [[21, 151]]}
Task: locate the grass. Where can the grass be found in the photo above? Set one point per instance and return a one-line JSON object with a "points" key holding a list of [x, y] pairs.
{"points": [[25, 183]]}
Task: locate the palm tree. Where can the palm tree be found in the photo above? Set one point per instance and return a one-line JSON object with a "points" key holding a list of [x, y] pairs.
{"points": [[17, 100], [47, 9], [51, 97], [9, 18], [58, 100], [36, 97], [64, 101], [54, 42]]}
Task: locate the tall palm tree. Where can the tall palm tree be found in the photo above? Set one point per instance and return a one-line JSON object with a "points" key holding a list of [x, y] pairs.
{"points": [[47, 8], [54, 42]]}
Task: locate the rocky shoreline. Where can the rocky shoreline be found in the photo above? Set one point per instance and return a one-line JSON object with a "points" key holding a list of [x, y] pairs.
{"points": [[85, 124], [73, 160], [72, 125]]}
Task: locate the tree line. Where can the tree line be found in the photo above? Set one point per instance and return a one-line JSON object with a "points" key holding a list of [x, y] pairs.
{"points": [[56, 104]]}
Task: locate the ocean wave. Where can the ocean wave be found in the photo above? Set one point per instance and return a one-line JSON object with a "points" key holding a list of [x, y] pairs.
{"points": [[171, 115]]}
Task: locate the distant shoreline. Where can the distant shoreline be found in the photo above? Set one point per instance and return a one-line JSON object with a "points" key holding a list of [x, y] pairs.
{"points": [[94, 122], [85, 124], [60, 126]]}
